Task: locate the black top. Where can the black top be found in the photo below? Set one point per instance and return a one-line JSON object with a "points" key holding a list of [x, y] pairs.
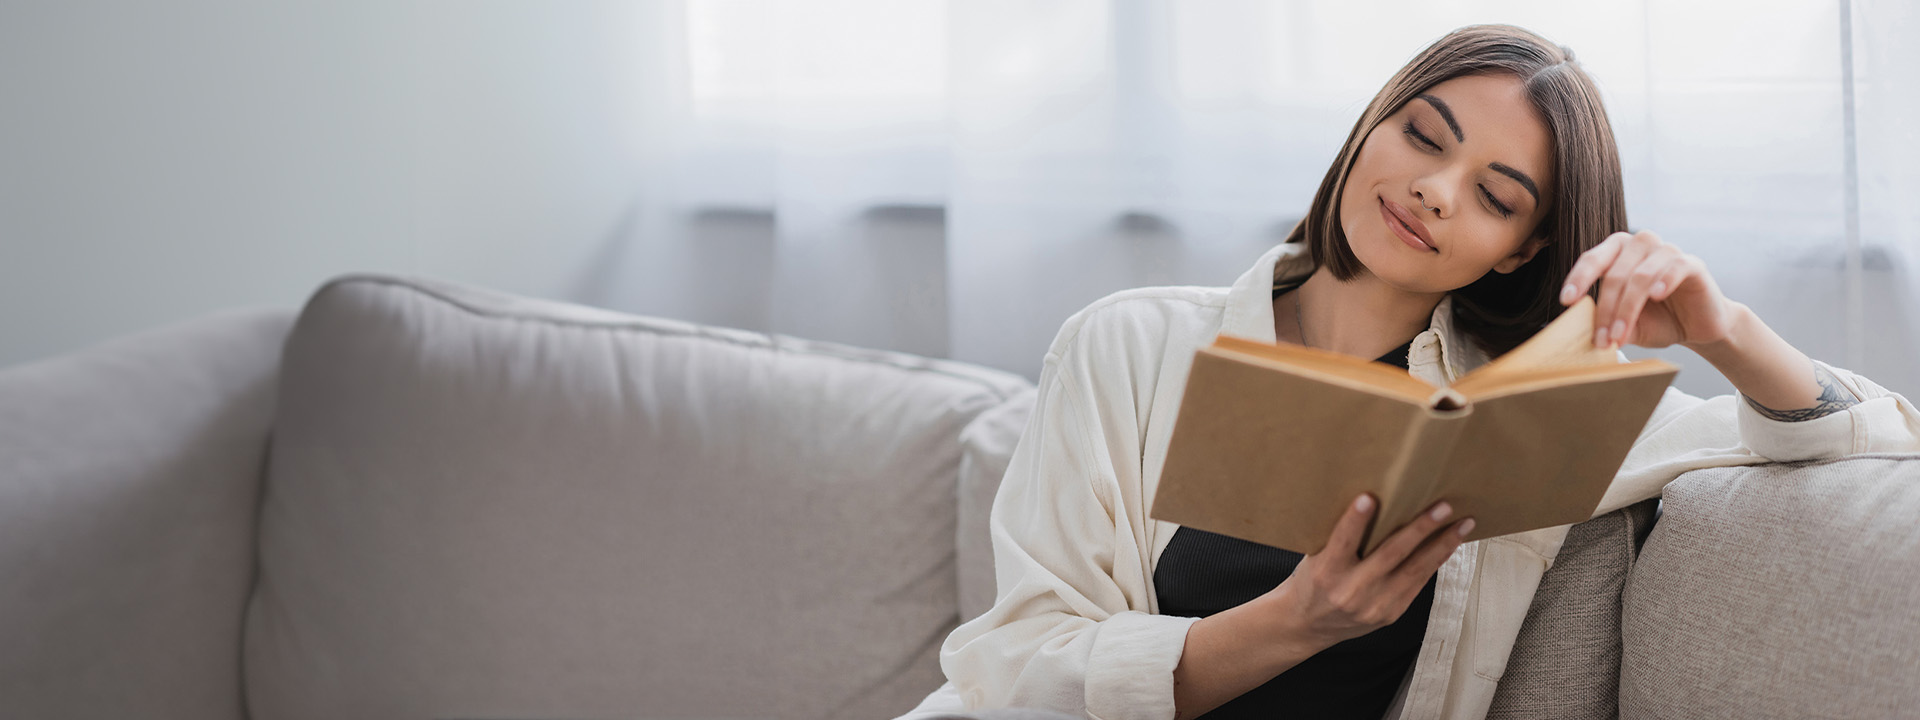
{"points": [[1202, 573]]}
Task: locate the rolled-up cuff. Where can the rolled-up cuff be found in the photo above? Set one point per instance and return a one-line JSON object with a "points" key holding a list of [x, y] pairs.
{"points": [[1130, 673], [1788, 441]]}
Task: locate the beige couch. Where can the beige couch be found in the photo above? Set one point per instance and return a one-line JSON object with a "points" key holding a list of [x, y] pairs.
{"points": [[420, 500]]}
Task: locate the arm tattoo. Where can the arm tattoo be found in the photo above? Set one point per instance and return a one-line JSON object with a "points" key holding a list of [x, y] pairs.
{"points": [[1834, 397]]}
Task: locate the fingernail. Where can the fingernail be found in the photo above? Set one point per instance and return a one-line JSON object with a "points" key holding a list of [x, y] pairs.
{"points": [[1566, 293], [1600, 338], [1619, 329], [1441, 511], [1363, 504], [1659, 287], [1466, 526]]}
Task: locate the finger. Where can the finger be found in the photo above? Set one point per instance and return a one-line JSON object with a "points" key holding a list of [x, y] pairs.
{"points": [[1343, 545], [1688, 266], [1639, 284], [1588, 267], [1405, 540], [1432, 554], [1669, 281], [1614, 282]]}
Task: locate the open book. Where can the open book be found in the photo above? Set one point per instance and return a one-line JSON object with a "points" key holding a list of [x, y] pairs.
{"points": [[1274, 441]]}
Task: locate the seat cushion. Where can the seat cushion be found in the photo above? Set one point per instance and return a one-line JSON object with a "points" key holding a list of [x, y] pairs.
{"points": [[480, 505], [1783, 590]]}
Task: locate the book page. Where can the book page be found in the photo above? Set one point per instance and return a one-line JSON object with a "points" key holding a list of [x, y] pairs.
{"points": [[1331, 366], [1531, 381], [1566, 343]]}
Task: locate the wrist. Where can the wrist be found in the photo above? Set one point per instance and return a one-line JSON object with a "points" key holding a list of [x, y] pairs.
{"points": [[1236, 650], [1282, 627], [1740, 331]]}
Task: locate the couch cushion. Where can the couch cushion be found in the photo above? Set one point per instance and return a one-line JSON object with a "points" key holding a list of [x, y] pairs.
{"points": [[129, 472], [1565, 663], [987, 448], [1785, 590], [487, 506]]}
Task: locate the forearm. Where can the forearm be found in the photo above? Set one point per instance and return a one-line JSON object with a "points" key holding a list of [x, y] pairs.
{"points": [[1775, 378], [1231, 652]]}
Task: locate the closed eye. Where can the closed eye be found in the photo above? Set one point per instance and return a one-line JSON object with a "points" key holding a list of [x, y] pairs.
{"points": [[1417, 137], [1504, 211]]}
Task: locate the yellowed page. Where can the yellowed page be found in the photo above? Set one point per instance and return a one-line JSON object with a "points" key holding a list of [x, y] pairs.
{"points": [[1327, 366], [1565, 343]]}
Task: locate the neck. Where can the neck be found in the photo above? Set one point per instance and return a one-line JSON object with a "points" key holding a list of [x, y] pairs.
{"points": [[1363, 317]]}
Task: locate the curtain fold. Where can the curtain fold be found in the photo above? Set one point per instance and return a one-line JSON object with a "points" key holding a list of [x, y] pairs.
{"points": [[1886, 99]]}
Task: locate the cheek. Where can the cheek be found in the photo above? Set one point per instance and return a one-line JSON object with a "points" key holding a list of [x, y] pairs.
{"points": [[1366, 164], [1357, 196], [1381, 160], [1502, 240]]}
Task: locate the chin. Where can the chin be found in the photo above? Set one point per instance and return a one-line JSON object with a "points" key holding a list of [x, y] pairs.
{"points": [[1376, 252]]}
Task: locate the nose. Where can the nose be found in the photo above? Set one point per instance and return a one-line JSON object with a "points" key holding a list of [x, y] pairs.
{"points": [[1433, 195]]}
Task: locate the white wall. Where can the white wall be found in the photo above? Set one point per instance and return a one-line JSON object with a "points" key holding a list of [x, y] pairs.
{"points": [[162, 160]]}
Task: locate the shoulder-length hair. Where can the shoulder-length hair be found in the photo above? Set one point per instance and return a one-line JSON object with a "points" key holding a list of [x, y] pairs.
{"points": [[1588, 201]]}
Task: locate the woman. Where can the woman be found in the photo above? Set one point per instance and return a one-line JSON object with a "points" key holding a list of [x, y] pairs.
{"points": [[1477, 196]]}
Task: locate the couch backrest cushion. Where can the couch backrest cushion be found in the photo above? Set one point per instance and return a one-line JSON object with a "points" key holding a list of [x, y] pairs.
{"points": [[987, 448], [1565, 664], [487, 506], [1781, 590], [129, 472]]}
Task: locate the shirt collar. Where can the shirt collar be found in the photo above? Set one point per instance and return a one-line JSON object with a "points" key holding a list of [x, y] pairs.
{"points": [[1439, 355]]}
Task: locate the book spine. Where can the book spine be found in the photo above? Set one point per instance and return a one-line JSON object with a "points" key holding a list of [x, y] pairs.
{"points": [[1418, 464]]}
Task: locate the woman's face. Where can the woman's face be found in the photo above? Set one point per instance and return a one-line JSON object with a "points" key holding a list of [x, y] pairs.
{"points": [[1476, 154]]}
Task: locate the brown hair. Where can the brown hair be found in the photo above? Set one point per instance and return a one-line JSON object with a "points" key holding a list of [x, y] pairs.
{"points": [[1588, 202]]}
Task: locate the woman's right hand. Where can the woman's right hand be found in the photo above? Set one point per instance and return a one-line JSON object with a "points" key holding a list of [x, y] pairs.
{"points": [[1335, 594]]}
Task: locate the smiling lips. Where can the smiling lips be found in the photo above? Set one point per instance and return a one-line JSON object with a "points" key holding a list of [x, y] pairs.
{"points": [[1405, 226]]}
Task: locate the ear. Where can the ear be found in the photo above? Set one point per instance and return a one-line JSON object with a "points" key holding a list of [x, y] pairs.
{"points": [[1520, 257]]}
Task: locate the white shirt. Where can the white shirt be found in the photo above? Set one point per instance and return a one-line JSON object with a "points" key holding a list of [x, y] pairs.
{"points": [[1076, 624]]}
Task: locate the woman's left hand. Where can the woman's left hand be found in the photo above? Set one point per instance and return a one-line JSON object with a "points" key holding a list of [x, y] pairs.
{"points": [[1651, 294]]}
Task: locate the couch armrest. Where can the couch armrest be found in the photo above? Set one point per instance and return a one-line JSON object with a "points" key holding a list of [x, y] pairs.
{"points": [[129, 473]]}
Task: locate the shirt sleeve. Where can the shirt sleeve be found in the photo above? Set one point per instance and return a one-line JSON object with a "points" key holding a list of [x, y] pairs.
{"points": [[1881, 421], [1687, 433], [1063, 633]]}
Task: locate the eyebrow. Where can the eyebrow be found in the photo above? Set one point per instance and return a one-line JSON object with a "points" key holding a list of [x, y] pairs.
{"points": [[1446, 113], [1518, 176]]}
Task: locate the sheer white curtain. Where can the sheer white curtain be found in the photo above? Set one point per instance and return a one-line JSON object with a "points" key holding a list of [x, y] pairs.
{"points": [[955, 178], [1885, 311]]}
